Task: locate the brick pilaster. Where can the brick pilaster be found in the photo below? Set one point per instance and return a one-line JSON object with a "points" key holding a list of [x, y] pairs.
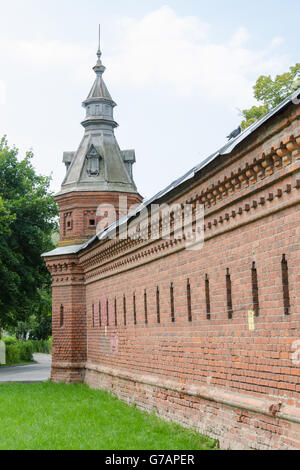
{"points": [[68, 319]]}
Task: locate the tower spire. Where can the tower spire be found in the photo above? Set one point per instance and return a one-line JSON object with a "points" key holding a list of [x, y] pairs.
{"points": [[99, 53], [99, 171], [99, 68]]}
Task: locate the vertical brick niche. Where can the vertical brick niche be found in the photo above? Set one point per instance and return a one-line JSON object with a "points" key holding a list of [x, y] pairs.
{"points": [[78, 213], [68, 319]]}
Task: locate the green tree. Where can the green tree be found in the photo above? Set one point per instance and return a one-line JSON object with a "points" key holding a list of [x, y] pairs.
{"points": [[6, 218], [28, 216], [39, 325], [270, 93]]}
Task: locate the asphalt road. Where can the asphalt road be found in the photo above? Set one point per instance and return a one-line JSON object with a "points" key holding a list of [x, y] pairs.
{"points": [[39, 372]]}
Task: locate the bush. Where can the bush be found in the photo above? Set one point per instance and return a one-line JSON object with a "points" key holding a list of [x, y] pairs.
{"points": [[9, 340], [42, 346], [26, 351], [17, 352], [12, 354], [22, 351]]}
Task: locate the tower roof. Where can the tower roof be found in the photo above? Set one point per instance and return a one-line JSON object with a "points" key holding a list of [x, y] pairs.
{"points": [[99, 89], [99, 164]]}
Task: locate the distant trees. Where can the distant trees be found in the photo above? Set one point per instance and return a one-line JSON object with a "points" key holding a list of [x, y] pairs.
{"points": [[28, 217], [270, 93]]}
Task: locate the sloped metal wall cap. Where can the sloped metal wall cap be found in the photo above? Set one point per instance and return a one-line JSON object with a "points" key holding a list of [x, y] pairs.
{"points": [[64, 250]]}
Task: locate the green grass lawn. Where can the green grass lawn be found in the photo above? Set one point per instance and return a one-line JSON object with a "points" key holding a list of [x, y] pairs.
{"points": [[62, 417]]}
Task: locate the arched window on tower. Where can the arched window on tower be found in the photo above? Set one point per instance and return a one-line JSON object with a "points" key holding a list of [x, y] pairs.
{"points": [[93, 162]]}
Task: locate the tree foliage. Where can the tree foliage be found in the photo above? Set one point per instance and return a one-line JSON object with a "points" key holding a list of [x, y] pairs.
{"points": [[39, 325], [6, 218], [270, 93], [27, 220]]}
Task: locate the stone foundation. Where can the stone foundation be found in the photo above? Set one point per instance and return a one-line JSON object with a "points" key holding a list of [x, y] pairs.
{"points": [[67, 373], [237, 421]]}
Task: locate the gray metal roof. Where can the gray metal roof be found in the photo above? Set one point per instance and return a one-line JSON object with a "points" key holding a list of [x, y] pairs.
{"points": [[99, 90], [226, 149], [64, 250], [112, 173]]}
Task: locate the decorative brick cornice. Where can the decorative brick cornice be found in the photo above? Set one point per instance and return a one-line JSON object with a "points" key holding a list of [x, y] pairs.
{"points": [[270, 166], [261, 206], [265, 165], [229, 221], [65, 270], [140, 257]]}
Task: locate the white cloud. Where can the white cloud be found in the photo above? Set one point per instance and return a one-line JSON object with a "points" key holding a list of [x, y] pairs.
{"points": [[47, 55], [161, 50], [276, 42], [165, 50], [2, 92], [50, 52], [239, 38], [43, 52]]}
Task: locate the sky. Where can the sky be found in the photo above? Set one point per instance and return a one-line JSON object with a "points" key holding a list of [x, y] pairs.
{"points": [[180, 72]]}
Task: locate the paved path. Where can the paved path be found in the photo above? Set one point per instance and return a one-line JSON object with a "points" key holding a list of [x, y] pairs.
{"points": [[39, 372]]}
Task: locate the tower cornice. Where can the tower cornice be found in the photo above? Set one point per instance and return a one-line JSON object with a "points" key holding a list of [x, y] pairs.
{"points": [[94, 120], [98, 100]]}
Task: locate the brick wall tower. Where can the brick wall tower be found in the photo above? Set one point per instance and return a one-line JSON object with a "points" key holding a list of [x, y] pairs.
{"points": [[99, 172]]}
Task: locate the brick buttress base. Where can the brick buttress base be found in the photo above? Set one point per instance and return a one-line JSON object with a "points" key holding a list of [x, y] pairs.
{"points": [[67, 373]]}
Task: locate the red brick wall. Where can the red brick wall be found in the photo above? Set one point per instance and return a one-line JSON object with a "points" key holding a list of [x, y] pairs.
{"points": [[77, 209], [217, 375], [217, 353]]}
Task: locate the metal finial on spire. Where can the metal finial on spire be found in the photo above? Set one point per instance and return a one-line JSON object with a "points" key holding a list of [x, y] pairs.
{"points": [[99, 68], [99, 53]]}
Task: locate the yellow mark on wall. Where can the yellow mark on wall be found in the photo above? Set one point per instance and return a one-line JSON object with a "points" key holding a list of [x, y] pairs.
{"points": [[251, 323]]}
